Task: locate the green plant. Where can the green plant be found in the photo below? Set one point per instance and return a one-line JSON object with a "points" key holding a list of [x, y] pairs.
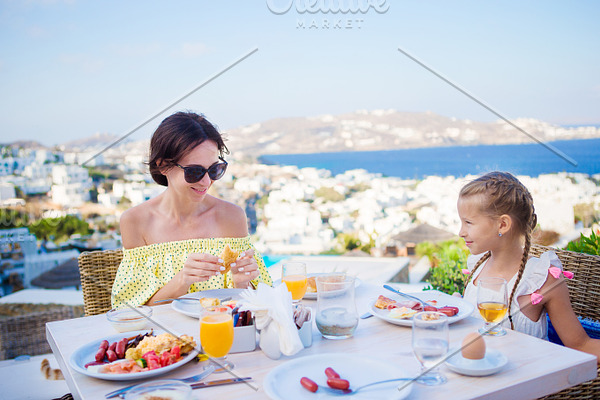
{"points": [[448, 259], [588, 245]]}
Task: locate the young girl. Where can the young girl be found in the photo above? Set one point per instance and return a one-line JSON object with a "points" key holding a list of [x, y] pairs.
{"points": [[497, 219]]}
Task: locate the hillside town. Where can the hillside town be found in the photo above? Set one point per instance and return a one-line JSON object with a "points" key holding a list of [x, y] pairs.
{"points": [[290, 210]]}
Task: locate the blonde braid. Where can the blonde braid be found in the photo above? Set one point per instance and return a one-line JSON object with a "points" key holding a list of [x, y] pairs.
{"points": [[529, 227], [481, 261]]}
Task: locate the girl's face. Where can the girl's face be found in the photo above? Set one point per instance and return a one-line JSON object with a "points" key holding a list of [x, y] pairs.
{"points": [[205, 155], [479, 231]]}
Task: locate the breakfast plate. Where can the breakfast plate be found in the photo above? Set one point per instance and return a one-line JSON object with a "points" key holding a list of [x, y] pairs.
{"points": [[313, 295], [86, 353], [493, 362], [192, 309], [283, 381], [465, 308]]}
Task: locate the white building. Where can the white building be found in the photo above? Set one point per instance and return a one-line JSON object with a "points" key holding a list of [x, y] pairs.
{"points": [[71, 185]]}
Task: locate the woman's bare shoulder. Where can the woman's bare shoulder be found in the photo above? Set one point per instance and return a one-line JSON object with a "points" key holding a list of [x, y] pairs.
{"points": [[133, 223]]}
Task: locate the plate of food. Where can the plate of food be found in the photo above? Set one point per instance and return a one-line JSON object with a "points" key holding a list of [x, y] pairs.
{"points": [[283, 381], [311, 290], [133, 355], [398, 310], [205, 298]]}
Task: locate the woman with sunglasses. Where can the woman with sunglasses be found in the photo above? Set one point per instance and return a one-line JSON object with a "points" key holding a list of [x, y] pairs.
{"points": [[172, 243]]}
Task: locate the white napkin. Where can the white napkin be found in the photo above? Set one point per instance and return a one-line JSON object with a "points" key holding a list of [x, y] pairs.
{"points": [[272, 309]]}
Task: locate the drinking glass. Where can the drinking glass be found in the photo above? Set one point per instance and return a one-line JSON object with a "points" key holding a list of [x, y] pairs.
{"points": [[216, 335], [294, 277], [430, 345], [492, 303], [337, 317]]}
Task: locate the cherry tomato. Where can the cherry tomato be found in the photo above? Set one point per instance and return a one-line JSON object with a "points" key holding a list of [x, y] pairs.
{"points": [[338, 383], [308, 384], [331, 373]]}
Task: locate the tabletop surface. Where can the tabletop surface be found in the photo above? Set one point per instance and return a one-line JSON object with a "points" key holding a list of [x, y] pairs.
{"points": [[535, 367]]}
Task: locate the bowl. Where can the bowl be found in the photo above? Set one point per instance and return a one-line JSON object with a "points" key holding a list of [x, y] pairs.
{"points": [[166, 389], [129, 319]]}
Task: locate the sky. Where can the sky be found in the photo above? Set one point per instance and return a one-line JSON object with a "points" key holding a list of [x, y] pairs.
{"points": [[70, 69]]}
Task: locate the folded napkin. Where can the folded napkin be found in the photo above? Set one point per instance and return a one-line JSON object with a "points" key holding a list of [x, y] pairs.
{"points": [[273, 314]]}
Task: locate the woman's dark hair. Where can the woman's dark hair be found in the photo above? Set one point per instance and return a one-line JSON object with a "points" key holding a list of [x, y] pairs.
{"points": [[176, 136]]}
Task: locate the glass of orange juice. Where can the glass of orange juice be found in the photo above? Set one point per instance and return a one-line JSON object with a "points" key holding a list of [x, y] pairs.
{"points": [[216, 335], [294, 277], [492, 304]]}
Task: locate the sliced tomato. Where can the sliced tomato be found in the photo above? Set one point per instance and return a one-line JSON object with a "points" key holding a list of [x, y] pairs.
{"points": [[152, 360]]}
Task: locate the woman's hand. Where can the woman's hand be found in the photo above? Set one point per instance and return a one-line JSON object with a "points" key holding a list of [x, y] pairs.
{"points": [[198, 267], [244, 270]]}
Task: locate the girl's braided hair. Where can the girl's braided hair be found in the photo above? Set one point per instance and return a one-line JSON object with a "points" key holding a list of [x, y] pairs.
{"points": [[501, 193]]}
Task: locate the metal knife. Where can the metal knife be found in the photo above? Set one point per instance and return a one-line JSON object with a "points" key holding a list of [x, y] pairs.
{"points": [[220, 382], [191, 379]]}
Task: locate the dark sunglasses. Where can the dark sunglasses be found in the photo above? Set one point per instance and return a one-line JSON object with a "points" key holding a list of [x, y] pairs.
{"points": [[196, 173]]}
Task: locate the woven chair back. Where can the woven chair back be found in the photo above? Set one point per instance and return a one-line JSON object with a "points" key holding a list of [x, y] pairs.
{"points": [[98, 270], [584, 291]]}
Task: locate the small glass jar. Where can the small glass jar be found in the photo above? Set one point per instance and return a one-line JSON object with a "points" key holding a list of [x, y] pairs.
{"points": [[161, 389], [129, 319]]}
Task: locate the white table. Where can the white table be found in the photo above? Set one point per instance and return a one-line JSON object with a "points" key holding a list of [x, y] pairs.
{"points": [[535, 367]]}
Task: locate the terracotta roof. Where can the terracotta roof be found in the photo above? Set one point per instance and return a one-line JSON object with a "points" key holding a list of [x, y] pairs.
{"points": [[423, 233], [65, 274]]}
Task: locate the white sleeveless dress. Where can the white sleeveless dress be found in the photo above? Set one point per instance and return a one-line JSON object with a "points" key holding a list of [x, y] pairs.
{"points": [[534, 277]]}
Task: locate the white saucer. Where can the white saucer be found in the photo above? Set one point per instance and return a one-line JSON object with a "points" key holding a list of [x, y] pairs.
{"points": [[493, 362]]}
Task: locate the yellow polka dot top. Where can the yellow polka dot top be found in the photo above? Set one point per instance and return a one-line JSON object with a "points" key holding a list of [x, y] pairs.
{"points": [[144, 270]]}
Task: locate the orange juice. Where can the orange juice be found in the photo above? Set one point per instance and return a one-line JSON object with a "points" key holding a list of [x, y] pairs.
{"points": [[296, 284], [216, 334], [492, 312]]}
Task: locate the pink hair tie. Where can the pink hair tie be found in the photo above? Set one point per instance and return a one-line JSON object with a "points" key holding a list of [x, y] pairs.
{"points": [[536, 298], [465, 271]]}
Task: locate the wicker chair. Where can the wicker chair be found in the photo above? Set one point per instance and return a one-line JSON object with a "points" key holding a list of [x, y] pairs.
{"points": [[584, 291], [98, 270], [23, 327]]}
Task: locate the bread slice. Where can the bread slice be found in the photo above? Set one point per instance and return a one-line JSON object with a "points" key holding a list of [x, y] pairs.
{"points": [[228, 256]]}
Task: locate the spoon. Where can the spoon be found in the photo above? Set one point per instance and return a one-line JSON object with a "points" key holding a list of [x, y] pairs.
{"points": [[350, 391], [189, 299], [424, 303]]}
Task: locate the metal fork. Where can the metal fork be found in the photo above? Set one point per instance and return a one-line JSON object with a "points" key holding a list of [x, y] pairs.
{"points": [[207, 371], [350, 391]]}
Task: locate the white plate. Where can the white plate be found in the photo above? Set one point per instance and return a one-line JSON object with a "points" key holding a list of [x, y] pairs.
{"points": [[313, 295], [192, 309], [283, 382], [493, 362], [465, 308], [86, 353]]}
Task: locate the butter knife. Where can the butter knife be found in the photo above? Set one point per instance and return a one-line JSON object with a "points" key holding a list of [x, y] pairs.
{"points": [[220, 382], [408, 296]]}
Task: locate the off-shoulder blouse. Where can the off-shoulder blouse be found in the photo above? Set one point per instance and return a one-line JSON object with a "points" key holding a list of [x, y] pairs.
{"points": [[146, 269]]}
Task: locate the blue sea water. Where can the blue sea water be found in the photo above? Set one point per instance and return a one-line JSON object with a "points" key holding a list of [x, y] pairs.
{"points": [[521, 159]]}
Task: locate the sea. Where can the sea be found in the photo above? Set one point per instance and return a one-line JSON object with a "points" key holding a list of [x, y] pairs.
{"points": [[578, 156]]}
